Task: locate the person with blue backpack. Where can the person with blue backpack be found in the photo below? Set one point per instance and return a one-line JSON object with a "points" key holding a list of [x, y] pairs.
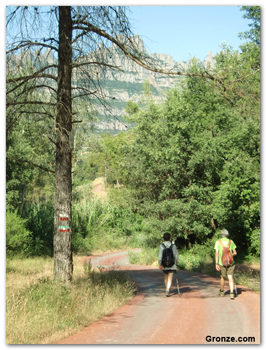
{"points": [[168, 260]]}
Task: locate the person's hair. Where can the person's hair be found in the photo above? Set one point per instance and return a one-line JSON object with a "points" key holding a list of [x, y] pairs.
{"points": [[224, 233], [167, 236]]}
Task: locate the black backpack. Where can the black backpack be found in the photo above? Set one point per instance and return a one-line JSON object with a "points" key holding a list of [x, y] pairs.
{"points": [[168, 259]]}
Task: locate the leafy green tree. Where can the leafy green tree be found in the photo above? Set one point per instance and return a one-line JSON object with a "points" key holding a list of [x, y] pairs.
{"points": [[194, 163], [252, 13], [29, 152], [171, 175], [111, 156], [27, 163], [251, 47], [18, 238]]}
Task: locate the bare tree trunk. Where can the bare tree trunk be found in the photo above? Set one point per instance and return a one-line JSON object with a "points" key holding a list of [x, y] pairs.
{"points": [[63, 261]]}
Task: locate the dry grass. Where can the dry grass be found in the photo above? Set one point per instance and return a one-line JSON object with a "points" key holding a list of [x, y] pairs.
{"points": [[248, 274], [39, 311], [22, 273]]}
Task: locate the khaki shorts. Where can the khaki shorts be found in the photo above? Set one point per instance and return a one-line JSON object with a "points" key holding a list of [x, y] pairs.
{"points": [[229, 271]]}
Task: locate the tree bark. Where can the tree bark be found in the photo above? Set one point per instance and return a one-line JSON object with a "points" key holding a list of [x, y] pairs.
{"points": [[63, 261]]}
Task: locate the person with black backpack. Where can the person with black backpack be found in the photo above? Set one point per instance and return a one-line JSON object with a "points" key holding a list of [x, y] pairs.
{"points": [[168, 260], [225, 250]]}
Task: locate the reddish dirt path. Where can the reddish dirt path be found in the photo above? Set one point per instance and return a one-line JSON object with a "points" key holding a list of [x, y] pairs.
{"points": [[151, 318]]}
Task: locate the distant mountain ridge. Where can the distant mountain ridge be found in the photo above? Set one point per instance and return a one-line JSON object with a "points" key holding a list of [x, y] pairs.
{"points": [[124, 85]]}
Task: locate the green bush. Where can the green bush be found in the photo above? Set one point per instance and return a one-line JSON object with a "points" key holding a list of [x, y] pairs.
{"points": [[81, 245], [99, 225], [147, 256], [255, 242], [18, 238], [96, 225], [40, 221]]}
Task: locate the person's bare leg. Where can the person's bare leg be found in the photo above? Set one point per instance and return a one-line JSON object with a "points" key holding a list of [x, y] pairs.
{"points": [[231, 283], [165, 280], [167, 292], [222, 284], [169, 281]]}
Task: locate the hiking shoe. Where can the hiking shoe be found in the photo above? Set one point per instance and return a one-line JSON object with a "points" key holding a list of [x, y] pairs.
{"points": [[167, 293], [232, 296], [221, 293]]}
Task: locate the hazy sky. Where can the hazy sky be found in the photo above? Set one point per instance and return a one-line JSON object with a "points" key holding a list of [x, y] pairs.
{"points": [[188, 31]]}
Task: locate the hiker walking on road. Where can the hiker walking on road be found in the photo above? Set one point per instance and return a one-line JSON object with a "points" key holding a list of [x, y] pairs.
{"points": [[225, 250], [168, 260]]}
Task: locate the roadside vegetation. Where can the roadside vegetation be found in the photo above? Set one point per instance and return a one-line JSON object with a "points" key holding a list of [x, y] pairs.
{"points": [[39, 311]]}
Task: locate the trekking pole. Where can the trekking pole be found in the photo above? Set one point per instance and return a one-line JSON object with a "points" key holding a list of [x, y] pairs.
{"points": [[235, 289], [177, 284]]}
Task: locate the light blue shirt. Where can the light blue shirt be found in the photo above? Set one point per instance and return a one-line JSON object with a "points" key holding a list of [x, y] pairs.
{"points": [[175, 252]]}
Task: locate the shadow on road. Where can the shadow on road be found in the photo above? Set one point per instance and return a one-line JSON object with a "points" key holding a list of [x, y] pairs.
{"points": [[151, 282]]}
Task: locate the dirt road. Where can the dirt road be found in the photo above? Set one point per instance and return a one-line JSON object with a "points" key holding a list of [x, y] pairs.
{"points": [[199, 316]]}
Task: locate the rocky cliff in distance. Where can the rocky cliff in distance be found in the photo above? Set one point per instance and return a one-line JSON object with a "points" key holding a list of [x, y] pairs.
{"points": [[120, 86], [126, 85]]}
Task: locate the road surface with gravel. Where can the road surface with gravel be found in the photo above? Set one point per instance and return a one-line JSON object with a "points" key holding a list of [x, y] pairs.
{"points": [[198, 316]]}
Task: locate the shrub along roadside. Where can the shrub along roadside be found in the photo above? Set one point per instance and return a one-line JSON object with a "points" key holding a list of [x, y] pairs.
{"points": [[244, 273], [106, 226], [32, 235], [34, 300], [97, 226], [18, 238]]}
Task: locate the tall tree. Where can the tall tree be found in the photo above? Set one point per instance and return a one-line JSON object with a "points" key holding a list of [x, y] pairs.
{"points": [[63, 262]]}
